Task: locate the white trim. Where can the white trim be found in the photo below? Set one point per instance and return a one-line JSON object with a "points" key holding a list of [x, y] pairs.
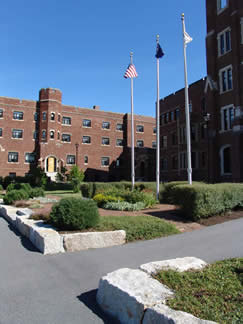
{"points": [[210, 33], [222, 109]]}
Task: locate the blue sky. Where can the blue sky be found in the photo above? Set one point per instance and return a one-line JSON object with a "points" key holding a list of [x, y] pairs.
{"points": [[82, 48]]}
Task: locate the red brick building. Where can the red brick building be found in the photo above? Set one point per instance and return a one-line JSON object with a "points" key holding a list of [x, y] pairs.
{"points": [[217, 143], [51, 135]]}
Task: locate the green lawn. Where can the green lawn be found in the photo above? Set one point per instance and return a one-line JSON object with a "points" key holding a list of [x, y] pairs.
{"points": [[137, 227], [63, 193], [215, 293]]}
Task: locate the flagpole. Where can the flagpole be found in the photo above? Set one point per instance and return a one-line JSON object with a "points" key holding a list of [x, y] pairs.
{"points": [[157, 131], [188, 134], [132, 131]]}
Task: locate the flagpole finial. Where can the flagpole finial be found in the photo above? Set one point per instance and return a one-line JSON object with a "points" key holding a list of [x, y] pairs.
{"points": [[157, 38], [131, 55], [182, 16]]}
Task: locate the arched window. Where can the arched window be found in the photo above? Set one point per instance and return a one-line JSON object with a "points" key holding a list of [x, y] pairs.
{"points": [[52, 116], [225, 159], [52, 134]]}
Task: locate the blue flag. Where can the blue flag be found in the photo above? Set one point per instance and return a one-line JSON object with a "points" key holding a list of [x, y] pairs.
{"points": [[159, 52]]}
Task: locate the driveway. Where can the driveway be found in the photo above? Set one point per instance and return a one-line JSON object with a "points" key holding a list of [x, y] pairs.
{"points": [[61, 288]]}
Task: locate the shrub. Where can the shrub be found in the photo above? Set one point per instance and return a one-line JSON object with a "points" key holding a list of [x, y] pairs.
{"points": [[19, 186], [74, 214], [87, 189], [1, 187], [14, 195], [76, 177], [102, 199], [203, 200], [124, 206], [6, 181], [37, 192]]}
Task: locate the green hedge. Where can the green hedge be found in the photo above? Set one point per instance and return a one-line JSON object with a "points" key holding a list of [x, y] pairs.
{"points": [[74, 214], [14, 195], [204, 200]]}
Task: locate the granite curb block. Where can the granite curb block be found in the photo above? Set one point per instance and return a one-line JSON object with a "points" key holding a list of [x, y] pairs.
{"points": [[134, 297], [48, 241]]}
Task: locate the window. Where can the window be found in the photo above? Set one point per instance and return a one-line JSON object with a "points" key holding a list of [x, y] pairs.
{"points": [[182, 135], [29, 157], [171, 115], [52, 116], [119, 142], [183, 160], [241, 22], [194, 160], [140, 143], [222, 4], [203, 159], [13, 157], [164, 141], [193, 133], [154, 130], [52, 134], [12, 174], [35, 116], [224, 42], [177, 114], [105, 141], [1, 113], [86, 159], [43, 134], [105, 161], [66, 120], [70, 159], [225, 79], [66, 138], [59, 118], [174, 138], [18, 115], [166, 118], [164, 164], [119, 127], [44, 115], [58, 135], [1, 132], [86, 140], [17, 133], [35, 135], [174, 162], [225, 160], [140, 128], [86, 123], [106, 125], [227, 117], [154, 144]]}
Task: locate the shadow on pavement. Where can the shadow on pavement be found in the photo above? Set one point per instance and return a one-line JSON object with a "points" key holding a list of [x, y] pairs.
{"points": [[89, 300], [24, 241]]}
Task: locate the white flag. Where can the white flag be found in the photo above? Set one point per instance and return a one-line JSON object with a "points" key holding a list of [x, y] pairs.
{"points": [[187, 38]]}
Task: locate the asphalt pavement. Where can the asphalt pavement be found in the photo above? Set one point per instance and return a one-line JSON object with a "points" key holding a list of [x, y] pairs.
{"points": [[61, 289]]}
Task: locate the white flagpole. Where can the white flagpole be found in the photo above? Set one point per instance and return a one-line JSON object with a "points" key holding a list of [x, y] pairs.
{"points": [[132, 131], [188, 133], [157, 132]]}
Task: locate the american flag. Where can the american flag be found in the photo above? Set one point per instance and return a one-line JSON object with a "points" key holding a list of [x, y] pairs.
{"points": [[130, 72]]}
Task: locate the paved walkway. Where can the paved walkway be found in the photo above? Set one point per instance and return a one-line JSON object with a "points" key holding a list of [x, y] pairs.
{"points": [[37, 289]]}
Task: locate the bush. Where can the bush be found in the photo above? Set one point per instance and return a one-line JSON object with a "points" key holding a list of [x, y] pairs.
{"points": [[37, 192], [124, 206], [53, 186], [74, 214], [102, 199], [76, 177], [14, 195], [19, 186], [1, 187], [6, 181], [204, 200]]}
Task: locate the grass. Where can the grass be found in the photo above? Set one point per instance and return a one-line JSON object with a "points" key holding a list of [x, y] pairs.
{"points": [[214, 293], [137, 227], [63, 193]]}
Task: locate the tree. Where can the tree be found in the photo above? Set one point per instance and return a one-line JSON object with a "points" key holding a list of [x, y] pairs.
{"points": [[76, 177]]}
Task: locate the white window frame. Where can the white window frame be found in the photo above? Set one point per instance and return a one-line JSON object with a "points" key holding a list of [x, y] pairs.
{"points": [[86, 143], [52, 114], [122, 142], [105, 165], [89, 122], [16, 115], [73, 156], [223, 32], [119, 130], [140, 146], [52, 138], [30, 154], [86, 156], [103, 140], [219, 6], [16, 154], [225, 69], [137, 128], [66, 118], [1, 113], [227, 108], [221, 155], [104, 127], [17, 131], [70, 135]]}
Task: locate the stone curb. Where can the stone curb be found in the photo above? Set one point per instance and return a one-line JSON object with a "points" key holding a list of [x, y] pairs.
{"points": [[48, 241], [134, 297]]}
